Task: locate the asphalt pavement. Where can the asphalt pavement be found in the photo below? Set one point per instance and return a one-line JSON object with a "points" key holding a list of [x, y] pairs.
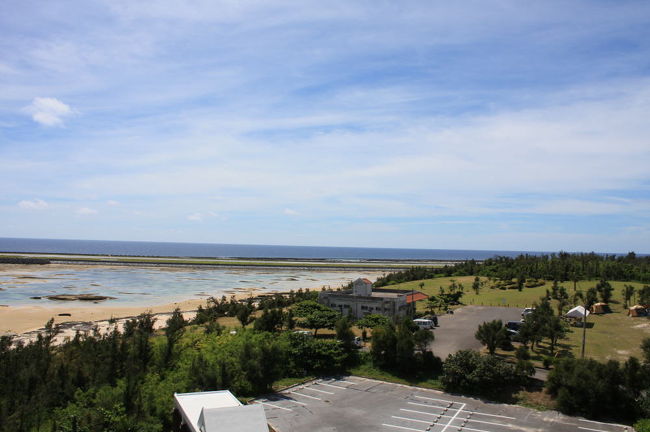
{"points": [[456, 331]]}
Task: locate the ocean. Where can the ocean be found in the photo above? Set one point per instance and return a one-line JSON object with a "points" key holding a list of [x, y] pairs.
{"points": [[210, 250]]}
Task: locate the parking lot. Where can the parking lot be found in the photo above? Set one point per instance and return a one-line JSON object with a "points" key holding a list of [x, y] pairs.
{"points": [[361, 404], [456, 332]]}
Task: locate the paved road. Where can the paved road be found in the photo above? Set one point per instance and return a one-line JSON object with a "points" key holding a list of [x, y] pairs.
{"points": [[355, 404], [456, 332]]}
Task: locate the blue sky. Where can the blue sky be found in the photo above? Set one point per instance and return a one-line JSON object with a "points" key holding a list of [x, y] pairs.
{"points": [[502, 125]]}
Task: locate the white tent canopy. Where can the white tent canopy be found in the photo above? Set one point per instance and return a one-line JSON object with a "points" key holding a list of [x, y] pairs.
{"points": [[577, 312]]}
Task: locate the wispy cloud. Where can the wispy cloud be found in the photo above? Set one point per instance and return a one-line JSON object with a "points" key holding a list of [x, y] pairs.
{"points": [[36, 204], [48, 111], [195, 217], [86, 211]]}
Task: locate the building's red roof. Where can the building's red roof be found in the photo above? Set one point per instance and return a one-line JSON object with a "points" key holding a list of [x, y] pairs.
{"points": [[366, 280], [417, 296]]}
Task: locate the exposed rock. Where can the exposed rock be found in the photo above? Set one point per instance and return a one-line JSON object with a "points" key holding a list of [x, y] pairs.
{"points": [[81, 297], [36, 298]]}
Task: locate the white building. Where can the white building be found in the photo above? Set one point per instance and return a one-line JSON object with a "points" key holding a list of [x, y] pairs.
{"points": [[218, 411], [361, 300]]}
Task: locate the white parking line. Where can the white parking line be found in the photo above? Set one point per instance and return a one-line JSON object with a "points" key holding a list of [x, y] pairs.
{"points": [[472, 429], [319, 391], [452, 419], [288, 399], [487, 422], [422, 412], [429, 405], [590, 429], [401, 427], [603, 423], [410, 419], [274, 406], [304, 395], [489, 415], [331, 385], [434, 399]]}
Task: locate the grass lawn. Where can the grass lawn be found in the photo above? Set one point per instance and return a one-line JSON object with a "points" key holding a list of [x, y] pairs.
{"points": [[613, 336], [367, 370]]}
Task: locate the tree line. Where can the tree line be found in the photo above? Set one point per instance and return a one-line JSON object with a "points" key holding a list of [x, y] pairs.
{"points": [[561, 267]]}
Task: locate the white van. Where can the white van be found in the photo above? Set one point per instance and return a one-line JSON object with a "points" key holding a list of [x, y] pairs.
{"points": [[424, 323]]}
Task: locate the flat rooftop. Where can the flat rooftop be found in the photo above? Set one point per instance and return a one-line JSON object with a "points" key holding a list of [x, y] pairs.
{"points": [[191, 404]]}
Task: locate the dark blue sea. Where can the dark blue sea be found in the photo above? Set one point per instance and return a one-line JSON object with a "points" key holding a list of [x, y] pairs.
{"points": [[205, 250]]}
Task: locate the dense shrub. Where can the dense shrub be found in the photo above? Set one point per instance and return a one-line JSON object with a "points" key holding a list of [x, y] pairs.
{"points": [[472, 373], [598, 390]]}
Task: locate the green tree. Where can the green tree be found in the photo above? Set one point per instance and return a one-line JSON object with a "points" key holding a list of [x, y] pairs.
{"points": [[245, 315], [384, 343], [470, 372], [271, 320], [562, 298], [422, 338], [344, 333], [315, 315], [372, 321], [605, 290], [554, 329], [173, 331], [476, 285], [491, 334], [628, 292]]}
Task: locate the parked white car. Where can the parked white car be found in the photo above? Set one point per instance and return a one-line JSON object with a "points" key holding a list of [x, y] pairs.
{"points": [[424, 323]]}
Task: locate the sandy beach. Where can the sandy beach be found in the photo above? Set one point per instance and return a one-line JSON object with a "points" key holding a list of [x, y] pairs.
{"points": [[21, 319]]}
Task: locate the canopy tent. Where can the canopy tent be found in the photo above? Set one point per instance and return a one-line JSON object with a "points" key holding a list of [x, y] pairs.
{"points": [[637, 311], [600, 308], [577, 312]]}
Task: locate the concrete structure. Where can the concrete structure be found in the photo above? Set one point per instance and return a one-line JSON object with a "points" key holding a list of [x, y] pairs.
{"points": [[218, 411], [361, 300]]}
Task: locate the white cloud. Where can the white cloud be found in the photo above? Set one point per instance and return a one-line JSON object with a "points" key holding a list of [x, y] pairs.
{"points": [[290, 212], [48, 111], [85, 211], [112, 203], [196, 217], [37, 204]]}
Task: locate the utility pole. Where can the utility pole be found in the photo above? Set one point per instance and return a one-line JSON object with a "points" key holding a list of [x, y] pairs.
{"points": [[584, 330]]}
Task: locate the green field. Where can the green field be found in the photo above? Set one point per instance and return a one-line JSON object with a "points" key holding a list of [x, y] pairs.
{"points": [[613, 336]]}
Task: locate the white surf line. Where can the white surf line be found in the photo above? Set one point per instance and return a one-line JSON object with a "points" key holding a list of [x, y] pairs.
{"points": [[319, 391], [410, 419], [401, 427], [274, 406], [331, 385], [304, 395], [453, 418]]}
